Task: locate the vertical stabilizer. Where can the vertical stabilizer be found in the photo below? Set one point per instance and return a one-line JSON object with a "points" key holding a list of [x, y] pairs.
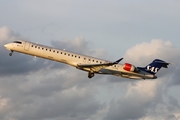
{"points": [[155, 66]]}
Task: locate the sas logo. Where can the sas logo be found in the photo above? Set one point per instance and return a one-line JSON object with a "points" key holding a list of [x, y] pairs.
{"points": [[152, 69]]}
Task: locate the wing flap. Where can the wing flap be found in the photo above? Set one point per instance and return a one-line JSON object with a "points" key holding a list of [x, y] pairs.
{"points": [[97, 67]]}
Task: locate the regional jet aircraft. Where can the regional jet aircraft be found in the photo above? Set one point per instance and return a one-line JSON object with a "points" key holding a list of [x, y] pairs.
{"points": [[86, 63]]}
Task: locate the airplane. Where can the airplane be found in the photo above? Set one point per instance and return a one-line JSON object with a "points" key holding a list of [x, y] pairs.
{"points": [[86, 63]]}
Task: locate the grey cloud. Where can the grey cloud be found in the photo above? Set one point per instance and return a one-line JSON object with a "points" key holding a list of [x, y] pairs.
{"points": [[137, 104], [36, 88], [41, 89], [173, 103], [19, 63], [60, 106], [40, 96], [79, 45], [8, 35], [174, 78], [142, 54], [140, 105], [127, 109]]}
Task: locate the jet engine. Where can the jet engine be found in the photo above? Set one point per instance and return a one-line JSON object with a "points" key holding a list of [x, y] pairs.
{"points": [[129, 67]]}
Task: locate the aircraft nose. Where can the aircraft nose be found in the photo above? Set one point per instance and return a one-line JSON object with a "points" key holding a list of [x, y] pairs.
{"points": [[8, 46]]}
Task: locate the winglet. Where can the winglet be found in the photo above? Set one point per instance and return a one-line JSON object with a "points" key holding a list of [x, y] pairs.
{"points": [[116, 62]]}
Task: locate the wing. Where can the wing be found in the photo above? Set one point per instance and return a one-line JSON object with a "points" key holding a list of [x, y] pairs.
{"points": [[97, 67]]}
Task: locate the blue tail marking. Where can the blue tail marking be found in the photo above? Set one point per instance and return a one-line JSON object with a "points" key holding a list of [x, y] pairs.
{"points": [[154, 67]]}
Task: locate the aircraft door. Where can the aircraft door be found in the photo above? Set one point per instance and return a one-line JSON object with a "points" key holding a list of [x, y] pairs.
{"points": [[26, 47]]}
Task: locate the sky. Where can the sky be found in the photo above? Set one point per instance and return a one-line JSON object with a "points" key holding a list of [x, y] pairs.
{"points": [[139, 31]]}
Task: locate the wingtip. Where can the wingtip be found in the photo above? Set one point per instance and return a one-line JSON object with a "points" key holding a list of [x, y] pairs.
{"points": [[116, 62]]}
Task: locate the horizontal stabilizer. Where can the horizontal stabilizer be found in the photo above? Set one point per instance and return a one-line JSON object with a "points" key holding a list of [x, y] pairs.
{"points": [[163, 64]]}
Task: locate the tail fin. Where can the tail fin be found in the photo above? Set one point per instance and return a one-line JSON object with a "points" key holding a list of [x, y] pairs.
{"points": [[155, 66]]}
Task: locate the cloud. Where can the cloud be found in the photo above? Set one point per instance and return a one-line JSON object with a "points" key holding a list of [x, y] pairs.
{"points": [[17, 64], [66, 104], [147, 51], [34, 88], [19, 61], [79, 45], [147, 99], [7, 35]]}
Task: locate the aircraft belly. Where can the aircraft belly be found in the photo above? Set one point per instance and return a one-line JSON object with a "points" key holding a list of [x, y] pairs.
{"points": [[126, 74]]}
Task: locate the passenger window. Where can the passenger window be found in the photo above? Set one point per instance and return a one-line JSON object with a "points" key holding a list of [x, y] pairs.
{"points": [[79, 57], [35, 46], [68, 54], [31, 45], [57, 51], [64, 53]]}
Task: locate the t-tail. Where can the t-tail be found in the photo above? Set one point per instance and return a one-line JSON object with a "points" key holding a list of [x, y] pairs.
{"points": [[155, 66]]}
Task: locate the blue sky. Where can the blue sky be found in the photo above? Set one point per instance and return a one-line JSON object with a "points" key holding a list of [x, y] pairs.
{"points": [[140, 31]]}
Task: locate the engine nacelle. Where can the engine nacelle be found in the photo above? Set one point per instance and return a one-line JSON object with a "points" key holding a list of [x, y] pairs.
{"points": [[129, 67]]}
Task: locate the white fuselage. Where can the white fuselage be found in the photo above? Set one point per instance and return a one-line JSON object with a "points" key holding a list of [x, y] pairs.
{"points": [[72, 59]]}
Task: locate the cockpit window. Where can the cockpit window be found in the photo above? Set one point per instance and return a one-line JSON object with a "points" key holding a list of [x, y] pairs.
{"points": [[18, 42]]}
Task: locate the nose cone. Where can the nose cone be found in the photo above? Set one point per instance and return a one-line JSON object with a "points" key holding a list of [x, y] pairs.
{"points": [[8, 46]]}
